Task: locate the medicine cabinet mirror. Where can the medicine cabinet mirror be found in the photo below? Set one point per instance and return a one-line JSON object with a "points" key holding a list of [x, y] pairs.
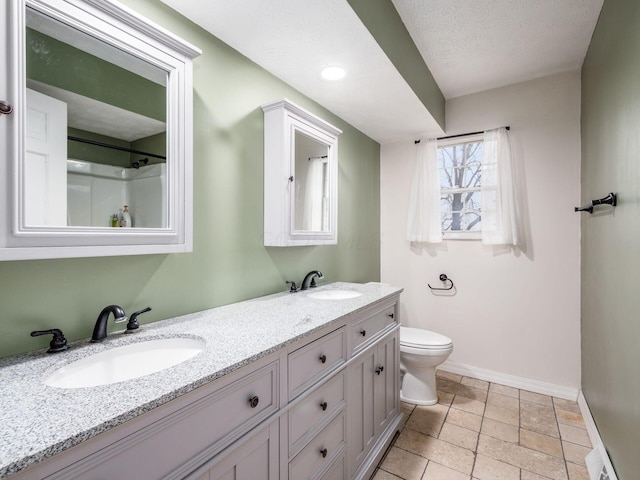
{"points": [[101, 127], [300, 177]]}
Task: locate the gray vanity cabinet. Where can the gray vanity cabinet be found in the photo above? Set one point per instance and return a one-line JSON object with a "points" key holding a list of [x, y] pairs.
{"points": [[254, 458], [373, 386]]}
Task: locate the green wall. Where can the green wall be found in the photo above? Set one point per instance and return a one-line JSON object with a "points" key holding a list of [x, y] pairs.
{"points": [[611, 240], [228, 263]]}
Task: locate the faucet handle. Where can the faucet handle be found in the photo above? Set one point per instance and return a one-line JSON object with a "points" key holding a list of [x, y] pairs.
{"points": [[294, 287], [133, 320], [58, 342]]}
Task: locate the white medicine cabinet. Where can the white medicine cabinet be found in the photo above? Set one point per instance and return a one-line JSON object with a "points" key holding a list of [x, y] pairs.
{"points": [[101, 117], [300, 177]]}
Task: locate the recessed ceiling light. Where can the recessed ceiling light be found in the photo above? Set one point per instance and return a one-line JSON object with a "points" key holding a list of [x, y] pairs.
{"points": [[333, 73]]}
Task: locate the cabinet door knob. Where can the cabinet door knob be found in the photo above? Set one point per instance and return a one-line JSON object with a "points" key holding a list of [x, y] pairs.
{"points": [[253, 401], [390, 315], [323, 358], [5, 107], [324, 452], [379, 370], [323, 406], [363, 332]]}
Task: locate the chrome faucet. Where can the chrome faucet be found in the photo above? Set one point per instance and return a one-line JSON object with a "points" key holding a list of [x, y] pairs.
{"points": [[100, 330], [310, 279]]}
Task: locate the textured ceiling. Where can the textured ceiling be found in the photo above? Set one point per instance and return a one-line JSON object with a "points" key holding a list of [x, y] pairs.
{"points": [[469, 46]]}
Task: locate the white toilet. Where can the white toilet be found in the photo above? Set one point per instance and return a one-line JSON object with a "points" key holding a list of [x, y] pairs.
{"points": [[421, 351]]}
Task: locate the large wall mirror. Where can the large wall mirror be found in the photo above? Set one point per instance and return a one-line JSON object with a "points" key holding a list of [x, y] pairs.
{"points": [[100, 140], [300, 175]]}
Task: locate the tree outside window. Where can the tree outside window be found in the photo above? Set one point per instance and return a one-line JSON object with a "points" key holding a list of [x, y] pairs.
{"points": [[460, 169]]}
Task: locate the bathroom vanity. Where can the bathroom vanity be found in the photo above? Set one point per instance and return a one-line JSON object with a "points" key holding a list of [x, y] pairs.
{"points": [[288, 386]]}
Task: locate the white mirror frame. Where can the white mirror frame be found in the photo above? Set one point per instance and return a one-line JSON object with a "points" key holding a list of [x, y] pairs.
{"points": [[123, 28], [282, 119]]}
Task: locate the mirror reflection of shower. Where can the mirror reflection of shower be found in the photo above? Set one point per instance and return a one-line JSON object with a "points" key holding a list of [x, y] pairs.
{"points": [[311, 184]]}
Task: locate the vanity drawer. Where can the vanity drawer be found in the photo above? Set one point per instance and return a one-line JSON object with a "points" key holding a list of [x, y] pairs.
{"points": [[309, 364], [364, 331], [311, 411], [320, 453]]}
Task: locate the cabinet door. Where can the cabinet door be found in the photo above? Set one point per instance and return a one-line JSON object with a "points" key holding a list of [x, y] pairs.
{"points": [[255, 459], [360, 407], [387, 389]]}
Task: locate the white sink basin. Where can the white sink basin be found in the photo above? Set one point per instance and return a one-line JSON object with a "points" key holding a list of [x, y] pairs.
{"points": [[125, 363], [334, 294]]}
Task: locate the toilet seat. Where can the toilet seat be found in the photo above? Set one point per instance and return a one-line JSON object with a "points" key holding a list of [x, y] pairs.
{"points": [[419, 339]]}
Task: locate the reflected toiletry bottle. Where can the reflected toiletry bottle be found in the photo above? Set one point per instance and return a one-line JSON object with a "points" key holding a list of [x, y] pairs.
{"points": [[114, 220], [125, 217]]}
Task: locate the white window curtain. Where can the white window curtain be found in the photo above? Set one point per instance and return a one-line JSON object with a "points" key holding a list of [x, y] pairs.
{"points": [[424, 201], [498, 204]]}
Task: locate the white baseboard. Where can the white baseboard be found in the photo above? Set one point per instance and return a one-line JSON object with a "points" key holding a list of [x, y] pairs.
{"points": [[594, 436], [545, 388]]}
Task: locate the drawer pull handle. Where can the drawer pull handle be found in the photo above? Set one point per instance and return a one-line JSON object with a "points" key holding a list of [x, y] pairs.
{"points": [[323, 358], [390, 315], [253, 401], [324, 452], [363, 332], [379, 370], [323, 406]]}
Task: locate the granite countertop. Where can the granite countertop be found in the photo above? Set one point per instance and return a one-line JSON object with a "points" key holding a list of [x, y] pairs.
{"points": [[38, 421]]}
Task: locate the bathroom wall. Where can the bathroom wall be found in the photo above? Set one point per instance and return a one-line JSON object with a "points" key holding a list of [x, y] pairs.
{"points": [[229, 262], [611, 239], [513, 312]]}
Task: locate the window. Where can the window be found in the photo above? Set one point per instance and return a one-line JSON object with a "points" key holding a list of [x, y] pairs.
{"points": [[459, 170]]}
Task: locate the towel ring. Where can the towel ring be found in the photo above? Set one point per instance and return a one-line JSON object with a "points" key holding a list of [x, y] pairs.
{"points": [[443, 278]]}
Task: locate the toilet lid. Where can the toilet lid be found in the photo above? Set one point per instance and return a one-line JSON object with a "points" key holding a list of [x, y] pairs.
{"points": [[419, 338]]}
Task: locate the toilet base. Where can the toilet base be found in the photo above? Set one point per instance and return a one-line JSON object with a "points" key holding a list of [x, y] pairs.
{"points": [[419, 387]]}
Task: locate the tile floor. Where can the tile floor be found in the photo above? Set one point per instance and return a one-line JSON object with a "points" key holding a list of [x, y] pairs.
{"points": [[486, 431]]}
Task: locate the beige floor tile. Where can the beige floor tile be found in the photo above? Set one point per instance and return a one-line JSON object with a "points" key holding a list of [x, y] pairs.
{"points": [[404, 464], [577, 472], [411, 441], [574, 435], [503, 401], [541, 443], [489, 469], [435, 471], [459, 436], [407, 408], [427, 420], [501, 414], [524, 475], [536, 398], [464, 419], [474, 382], [468, 405], [444, 453], [504, 390], [449, 376], [445, 398], [575, 453], [473, 393], [568, 405], [521, 457], [500, 430], [382, 475], [538, 418], [570, 418]]}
